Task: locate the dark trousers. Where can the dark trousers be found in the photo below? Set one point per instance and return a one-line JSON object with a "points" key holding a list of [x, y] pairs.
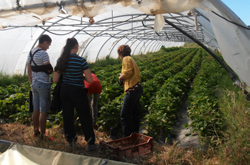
{"points": [[130, 112], [76, 98]]}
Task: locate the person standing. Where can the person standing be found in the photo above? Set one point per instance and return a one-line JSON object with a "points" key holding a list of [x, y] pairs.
{"points": [[94, 91], [130, 112], [73, 93], [39, 77]]}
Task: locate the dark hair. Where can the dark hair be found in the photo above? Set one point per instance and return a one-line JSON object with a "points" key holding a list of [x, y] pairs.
{"points": [[124, 50], [63, 59], [44, 38]]}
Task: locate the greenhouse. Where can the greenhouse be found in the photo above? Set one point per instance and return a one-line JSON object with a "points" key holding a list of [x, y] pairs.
{"points": [[209, 23], [147, 26]]}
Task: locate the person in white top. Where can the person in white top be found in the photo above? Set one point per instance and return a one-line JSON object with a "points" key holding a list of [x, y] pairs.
{"points": [[40, 84]]}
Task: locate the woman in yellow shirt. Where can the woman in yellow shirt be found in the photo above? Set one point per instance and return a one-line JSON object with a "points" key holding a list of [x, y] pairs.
{"points": [[130, 112]]}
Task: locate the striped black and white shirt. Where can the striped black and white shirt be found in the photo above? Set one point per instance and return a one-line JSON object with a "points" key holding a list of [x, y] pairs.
{"points": [[41, 57], [73, 74]]}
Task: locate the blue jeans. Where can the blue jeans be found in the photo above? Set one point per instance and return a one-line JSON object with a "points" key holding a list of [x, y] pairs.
{"points": [[41, 96], [130, 112]]}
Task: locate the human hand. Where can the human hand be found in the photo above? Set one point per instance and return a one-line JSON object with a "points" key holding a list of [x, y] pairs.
{"points": [[120, 77], [120, 80]]}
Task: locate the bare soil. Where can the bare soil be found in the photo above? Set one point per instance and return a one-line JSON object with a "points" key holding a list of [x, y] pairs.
{"points": [[23, 134]]}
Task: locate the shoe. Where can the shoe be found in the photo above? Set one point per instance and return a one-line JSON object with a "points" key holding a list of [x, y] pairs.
{"points": [[36, 134], [92, 147], [95, 126], [72, 142], [46, 138]]}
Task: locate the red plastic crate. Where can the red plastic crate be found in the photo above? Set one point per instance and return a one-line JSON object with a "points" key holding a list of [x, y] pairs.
{"points": [[134, 145]]}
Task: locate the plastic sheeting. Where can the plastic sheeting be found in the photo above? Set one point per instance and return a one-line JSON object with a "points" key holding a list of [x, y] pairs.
{"points": [[95, 42], [22, 154], [233, 42], [218, 28]]}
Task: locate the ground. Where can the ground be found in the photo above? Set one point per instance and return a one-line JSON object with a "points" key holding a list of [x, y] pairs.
{"points": [[23, 134]]}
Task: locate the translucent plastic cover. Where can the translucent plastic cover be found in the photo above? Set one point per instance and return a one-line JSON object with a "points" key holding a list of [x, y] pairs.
{"points": [[101, 26]]}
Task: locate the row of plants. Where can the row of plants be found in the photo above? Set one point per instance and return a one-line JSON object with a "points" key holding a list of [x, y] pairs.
{"points": [[166, 77], [216, 112], [113, 106], [109, 75], [168, 69], [14, 93], [204, 111], [168, 99]]}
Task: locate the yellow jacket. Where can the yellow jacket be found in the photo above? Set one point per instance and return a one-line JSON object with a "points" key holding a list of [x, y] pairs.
{"points": [[130, 71]]}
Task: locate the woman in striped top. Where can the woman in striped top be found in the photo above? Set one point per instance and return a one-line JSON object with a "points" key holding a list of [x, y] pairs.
{"points": [[73, 93]]}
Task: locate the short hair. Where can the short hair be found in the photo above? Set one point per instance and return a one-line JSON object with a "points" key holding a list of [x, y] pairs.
{"points": [[44, 38], [124, 50]]}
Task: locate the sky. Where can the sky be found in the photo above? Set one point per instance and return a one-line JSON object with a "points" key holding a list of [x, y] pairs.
{"points": [[241, 8]]}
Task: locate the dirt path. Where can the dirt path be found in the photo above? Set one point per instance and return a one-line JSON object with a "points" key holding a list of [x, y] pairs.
{"points": [[180, 134], [183, 135]]}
